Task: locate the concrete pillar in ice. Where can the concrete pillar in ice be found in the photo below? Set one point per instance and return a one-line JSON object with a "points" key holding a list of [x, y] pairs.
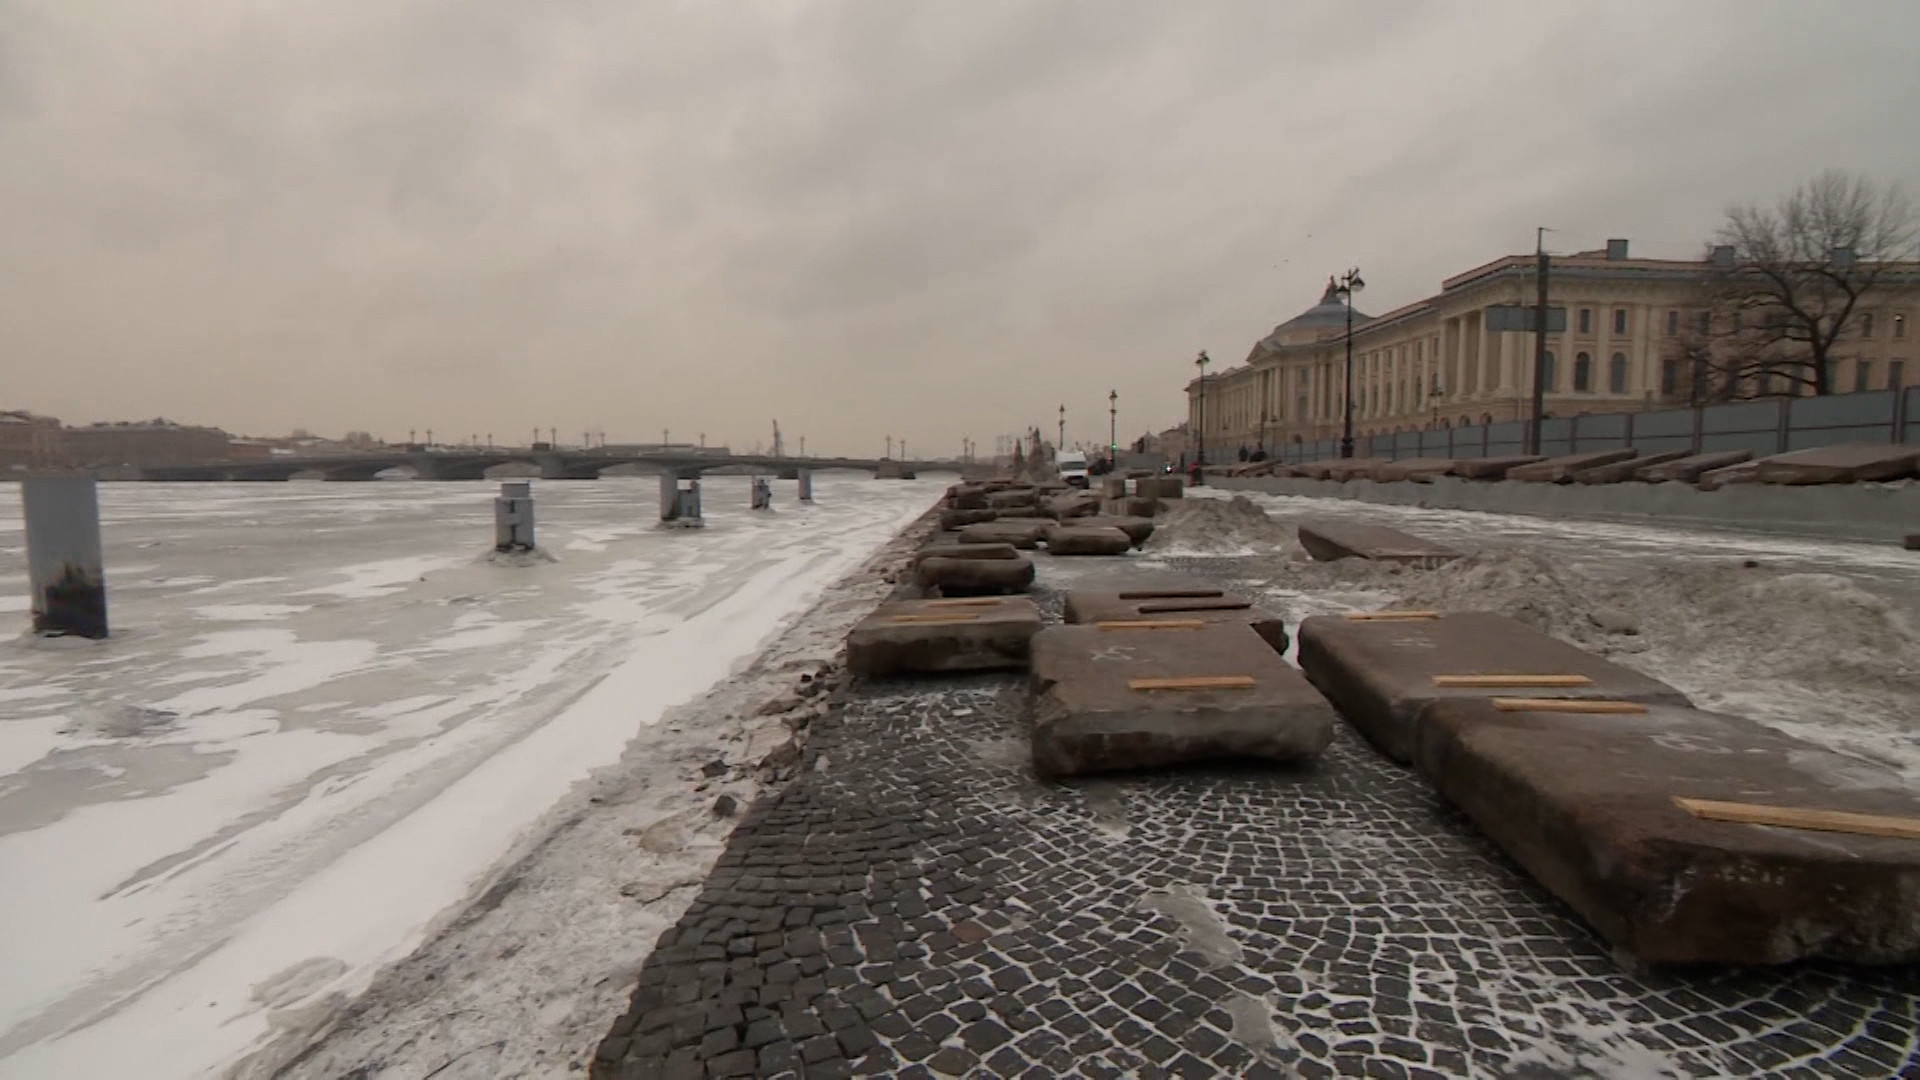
{"points": [[806, 485], [63, 555], [513, 517]]}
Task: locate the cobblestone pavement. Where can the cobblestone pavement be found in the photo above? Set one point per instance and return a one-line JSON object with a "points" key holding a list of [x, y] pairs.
{"points": [[917, 904]]}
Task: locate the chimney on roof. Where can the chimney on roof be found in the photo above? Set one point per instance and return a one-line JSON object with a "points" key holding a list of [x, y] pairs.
{"points": [[1723, 257], [1616, 250]]}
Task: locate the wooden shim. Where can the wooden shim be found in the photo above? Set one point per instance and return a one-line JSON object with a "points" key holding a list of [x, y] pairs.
{"points": [[967, 601], [1567, 705], [1387, 616], [1176, 606], [1793, 817], [934, 619], [1194, 682], [1171, 594], [1495, 681], [1150, 624]]}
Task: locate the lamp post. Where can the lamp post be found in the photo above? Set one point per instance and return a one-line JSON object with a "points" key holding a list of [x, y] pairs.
{"points": [[1113, 424], [1200, 427], [1062, 444], [1345, 286]]}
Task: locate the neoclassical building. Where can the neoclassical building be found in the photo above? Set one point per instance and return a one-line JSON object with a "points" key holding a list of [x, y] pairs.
{"points": [[1437, 362]]}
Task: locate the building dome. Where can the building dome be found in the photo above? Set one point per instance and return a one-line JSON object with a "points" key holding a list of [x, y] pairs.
{"points": [[1328, 318]]}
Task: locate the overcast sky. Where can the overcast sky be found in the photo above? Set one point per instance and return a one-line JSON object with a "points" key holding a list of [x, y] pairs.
{"points": [[929, 219]]}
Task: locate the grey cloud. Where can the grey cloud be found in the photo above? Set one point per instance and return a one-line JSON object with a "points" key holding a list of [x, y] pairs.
{"points": [[863, 218]]}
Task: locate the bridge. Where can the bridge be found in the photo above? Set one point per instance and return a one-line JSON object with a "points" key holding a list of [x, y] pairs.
{"points": [[551, 465]]}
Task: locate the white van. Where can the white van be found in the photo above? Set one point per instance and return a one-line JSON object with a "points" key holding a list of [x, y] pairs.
{"points": [[1073, 468]]}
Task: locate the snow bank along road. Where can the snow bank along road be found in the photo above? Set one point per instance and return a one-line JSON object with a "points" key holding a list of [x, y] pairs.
{"points": [[324, 716]]}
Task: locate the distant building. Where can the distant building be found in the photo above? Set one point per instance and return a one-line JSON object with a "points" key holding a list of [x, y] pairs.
{"points": [[142, 443], [28, 440], [1437, 362]]}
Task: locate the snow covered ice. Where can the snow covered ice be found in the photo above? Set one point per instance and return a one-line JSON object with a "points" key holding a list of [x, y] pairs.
{"points": [[324, 716]]}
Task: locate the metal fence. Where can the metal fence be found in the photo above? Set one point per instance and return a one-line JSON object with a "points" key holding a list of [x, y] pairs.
{"points": [[1773, 426]]}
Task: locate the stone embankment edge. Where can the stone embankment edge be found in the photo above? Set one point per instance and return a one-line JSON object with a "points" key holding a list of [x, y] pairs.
{"points": [[1872, 513]]}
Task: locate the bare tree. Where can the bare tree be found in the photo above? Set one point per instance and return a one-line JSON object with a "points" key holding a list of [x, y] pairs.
{"points": [[1792, 290]]}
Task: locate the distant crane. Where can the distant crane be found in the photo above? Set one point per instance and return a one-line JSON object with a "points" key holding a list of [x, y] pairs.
{"points": [[779, 448]]}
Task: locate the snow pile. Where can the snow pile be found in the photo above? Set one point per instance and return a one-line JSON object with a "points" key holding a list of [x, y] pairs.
{"points": [[1204, 526], [1552, 598]]}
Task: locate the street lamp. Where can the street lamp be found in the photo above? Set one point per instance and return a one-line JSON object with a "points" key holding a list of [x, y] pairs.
{"points": [[1113, 424], [1200, 427], [1062, 444], [1344, 287]]}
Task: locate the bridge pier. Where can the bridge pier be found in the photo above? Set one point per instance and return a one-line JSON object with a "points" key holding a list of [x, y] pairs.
{"points": [[761, 494], [63, 555], [513, 517], [805, 485]]}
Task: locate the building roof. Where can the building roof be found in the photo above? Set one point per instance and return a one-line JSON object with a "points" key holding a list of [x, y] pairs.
{"points": [[1330, 314]]}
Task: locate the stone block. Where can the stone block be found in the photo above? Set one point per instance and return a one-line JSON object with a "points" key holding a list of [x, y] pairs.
{"points": [[1160, 487], [974, 577], [1138, 529], [1012, 497], [1330, 540], [967, 499], [1353, 468], [1083, 540], [1113, 487], [912, 637], [1315, 470], [1585, 803], [1063, 507], [1621, 471], [1133, 506], [1418, 470], [1560, 470], [1844, 464], [1493, 468], [1175, 603], [1689, 468], [1022, 533], [1091, 714], [1714, 479], [1006, 513], [965, 551], [1913, 542], [958, 519], [1381, 672]]}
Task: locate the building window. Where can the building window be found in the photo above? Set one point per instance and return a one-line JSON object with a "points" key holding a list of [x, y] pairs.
{"points": [[1896, 374], [1899, 327], [1673, 324], [1705, 321], [1617, 374], [1669, 378], [1862, 375], [1582, 373], [1548, 379], [1619, 320], [1586, 320], [1418, 348], [1866, 324]]}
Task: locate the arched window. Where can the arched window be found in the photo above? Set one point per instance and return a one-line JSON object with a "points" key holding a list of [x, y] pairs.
{"points": [[1582, 373], [1549, 376], [1617, 374], [1486, 418]]}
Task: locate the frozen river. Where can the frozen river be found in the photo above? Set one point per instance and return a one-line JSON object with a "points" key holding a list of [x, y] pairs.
{"points": [[324, 715]]}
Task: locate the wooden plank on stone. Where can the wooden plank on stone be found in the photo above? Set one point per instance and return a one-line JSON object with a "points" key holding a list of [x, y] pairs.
{"points": [[1150, 624], [1201, 604], [1793, 817], [1194, 682], [1568, 705], [934, 619], [1498, 681], [1385, 616], [966, 601], [1171, 594]]}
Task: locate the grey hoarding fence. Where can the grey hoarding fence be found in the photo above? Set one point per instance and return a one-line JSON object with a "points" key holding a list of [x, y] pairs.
{"points": [[1770, 426]]}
